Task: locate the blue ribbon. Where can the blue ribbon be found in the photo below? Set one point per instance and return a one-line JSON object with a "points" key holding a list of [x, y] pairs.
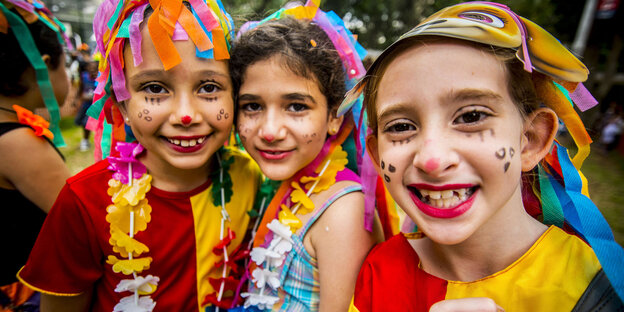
{"points": [[583, 215]]}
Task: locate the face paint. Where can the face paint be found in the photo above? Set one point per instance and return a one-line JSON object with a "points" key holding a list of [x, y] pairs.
{"points": [[432, 164], [449, 123], [401, 142], [500, 154], [293, 110]]}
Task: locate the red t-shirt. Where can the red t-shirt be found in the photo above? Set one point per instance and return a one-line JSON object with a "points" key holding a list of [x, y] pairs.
{"points": [[70, 254], [550, 276]]}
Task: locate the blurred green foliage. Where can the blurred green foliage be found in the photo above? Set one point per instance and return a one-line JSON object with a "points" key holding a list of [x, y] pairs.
{"points": [[378, 23]]}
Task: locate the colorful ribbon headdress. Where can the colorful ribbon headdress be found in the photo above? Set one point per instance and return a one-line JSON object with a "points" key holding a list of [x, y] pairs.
{"points": [[562, 187], [32, 11], [351, 54], [350, 51], [118, 22]]}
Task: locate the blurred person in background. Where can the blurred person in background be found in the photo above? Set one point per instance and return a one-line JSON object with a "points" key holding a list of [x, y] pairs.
{"points": [[32, 171], [88, 73]]}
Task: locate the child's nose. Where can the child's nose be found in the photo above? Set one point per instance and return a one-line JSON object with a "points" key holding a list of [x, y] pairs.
{"points": [[435, 157], [272, 128], [185, 112]]}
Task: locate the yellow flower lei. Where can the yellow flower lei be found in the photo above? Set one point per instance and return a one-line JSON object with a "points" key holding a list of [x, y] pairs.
{"points": [[129, 214], [264, 258]]}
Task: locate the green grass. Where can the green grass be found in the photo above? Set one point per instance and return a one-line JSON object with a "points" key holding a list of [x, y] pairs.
{"points": [[74, 158], [605, 173]]}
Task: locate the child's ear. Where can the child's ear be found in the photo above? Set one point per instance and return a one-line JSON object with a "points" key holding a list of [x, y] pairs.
{"points": [[46, 59], [540, 128], [373, 151], [124, 111], [333, 125]]}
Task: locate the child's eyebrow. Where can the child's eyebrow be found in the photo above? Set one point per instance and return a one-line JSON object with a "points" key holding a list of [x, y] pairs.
{"points": [[156, 73], [464, 95], [399, 108], [298, 97], [213, 73], [248, 97], [148, 74]]}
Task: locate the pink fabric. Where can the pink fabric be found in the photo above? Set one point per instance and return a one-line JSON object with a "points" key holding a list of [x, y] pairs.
{"points": [[100, 21], [582, 98], [97, 153], [135, 34], [118, 78], [355, 69], [24, 5], [368, 175], [205, 14], [179, 34]]}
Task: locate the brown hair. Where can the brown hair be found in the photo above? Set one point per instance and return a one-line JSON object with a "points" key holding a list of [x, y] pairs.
{"points": [[519, 82], [305, 48]]}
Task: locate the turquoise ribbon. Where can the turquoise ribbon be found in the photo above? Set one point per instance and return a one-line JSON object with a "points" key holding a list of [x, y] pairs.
{"points": [[27, 44], [551, 208], [583, 215]]}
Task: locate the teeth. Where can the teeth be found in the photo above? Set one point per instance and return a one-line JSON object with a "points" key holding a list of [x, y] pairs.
{"points": [[187, 143], [447, 194], [435, 194], [446, 198]]}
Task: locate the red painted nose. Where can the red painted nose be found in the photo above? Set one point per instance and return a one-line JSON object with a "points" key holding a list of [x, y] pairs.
{"points": [[186, 119], [269, 138]]}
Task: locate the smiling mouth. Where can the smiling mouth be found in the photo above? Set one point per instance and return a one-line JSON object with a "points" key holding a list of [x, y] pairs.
{"points": [[443, 199], [187, 142], [274, 155]]}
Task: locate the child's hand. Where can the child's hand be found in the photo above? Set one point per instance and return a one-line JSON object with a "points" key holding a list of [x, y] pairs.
{"points": [[466, 305]]}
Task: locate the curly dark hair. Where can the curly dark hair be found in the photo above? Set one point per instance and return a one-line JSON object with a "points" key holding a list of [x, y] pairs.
{"points": [[305, 48], [15, 62]]}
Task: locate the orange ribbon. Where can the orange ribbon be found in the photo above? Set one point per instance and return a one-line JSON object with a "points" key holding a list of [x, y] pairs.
{"points": [[40, 125]]}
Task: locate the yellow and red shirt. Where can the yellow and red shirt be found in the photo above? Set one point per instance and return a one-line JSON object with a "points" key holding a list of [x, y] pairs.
{"points": [[551, 276], [69, 255]]}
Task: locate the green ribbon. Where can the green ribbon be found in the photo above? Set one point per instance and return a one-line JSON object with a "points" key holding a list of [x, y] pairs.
{"points": [[551, 207], [105, 143], [27, 44]]}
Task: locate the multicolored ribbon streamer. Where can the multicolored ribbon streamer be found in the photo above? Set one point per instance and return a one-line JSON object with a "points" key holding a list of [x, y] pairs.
{"points": [[116, 22]]}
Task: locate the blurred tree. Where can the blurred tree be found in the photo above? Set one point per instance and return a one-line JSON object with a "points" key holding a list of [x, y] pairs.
{"points": [[378, 23]]}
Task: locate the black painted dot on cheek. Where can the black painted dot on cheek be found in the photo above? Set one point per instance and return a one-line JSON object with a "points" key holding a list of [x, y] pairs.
{"points": [[387, 178], [383, 165], [500, 154], [391, 168]]}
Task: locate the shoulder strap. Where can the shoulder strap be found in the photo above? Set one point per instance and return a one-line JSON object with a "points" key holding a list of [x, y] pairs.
{"points": [[327, 203], [10, 126], [599, 296]]}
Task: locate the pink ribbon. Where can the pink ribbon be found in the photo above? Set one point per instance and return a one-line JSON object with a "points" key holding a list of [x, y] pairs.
{"points": [[583, 98], [135, 33], [118, 78]]}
